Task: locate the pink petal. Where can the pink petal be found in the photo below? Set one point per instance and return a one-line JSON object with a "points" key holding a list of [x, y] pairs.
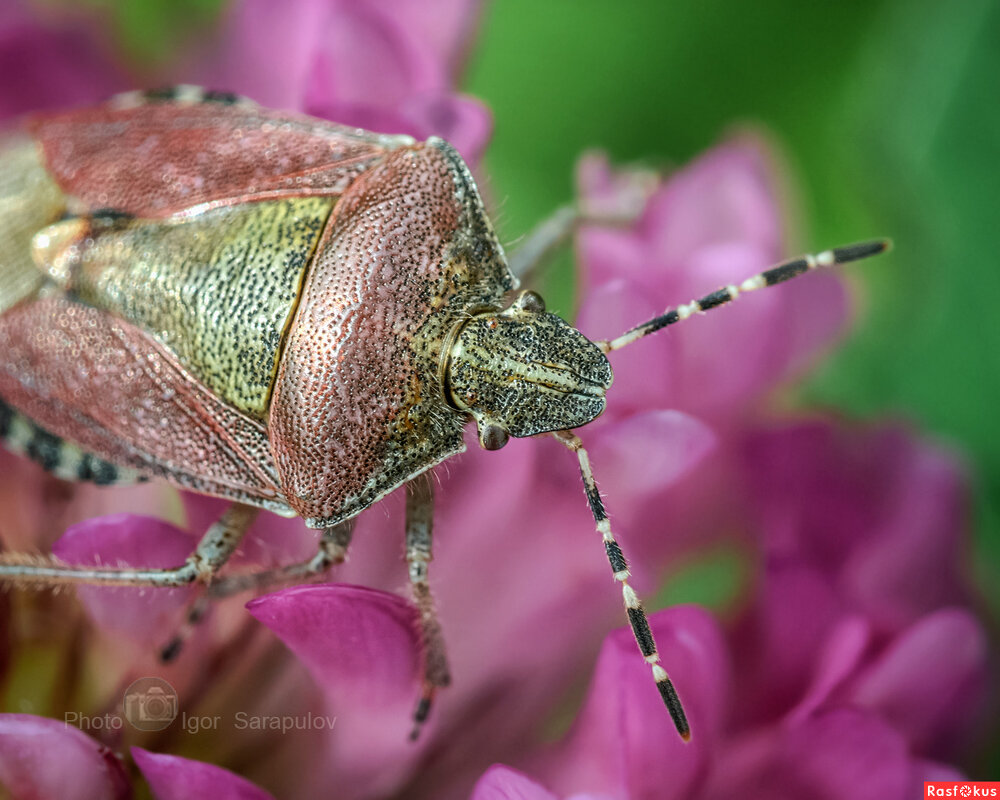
{"points": [[644, 463], [844, 755], [716, 362], [607, 253], [463, 121], [832, 485], [358, 63], [370, 116], [359, 644], [611, 193], [839, 658], [445, 28], [146, 616], [176, 778], [13, 13], [46, 759], [503, 783], [877, 510], [933, 771], [644, 371], [522, 584], [241, 57], [624, 744], [776, 644], [815, 314], [648, 452], [610, 253], [914, 561], [841, 755], [931, 682], [52, 67], [665, 527], [712, 224], [361, 647], [7, 638], [726, 196], [730, 355], [27, 504], [148, 499], [514, 525], [365, 56]]}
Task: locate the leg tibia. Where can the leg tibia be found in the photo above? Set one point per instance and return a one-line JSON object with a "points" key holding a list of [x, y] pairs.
{"points": [[213, 550]]}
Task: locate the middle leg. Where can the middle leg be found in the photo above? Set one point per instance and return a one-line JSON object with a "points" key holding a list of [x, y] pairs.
{"points": [[332, 550], [419, 532]]}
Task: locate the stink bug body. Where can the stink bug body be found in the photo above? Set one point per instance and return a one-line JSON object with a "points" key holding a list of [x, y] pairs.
{"points": [[283, 312]]}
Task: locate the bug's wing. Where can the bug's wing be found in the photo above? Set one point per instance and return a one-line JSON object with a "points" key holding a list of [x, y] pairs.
{"points": [[100, 382], [29, 200], [158, 158]]}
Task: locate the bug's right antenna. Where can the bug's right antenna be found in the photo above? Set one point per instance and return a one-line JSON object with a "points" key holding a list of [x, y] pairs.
{"points": [[769, 277], [636, 615]]}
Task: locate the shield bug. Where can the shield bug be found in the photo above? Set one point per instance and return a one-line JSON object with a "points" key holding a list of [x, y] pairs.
{"points": [[286, 313]]}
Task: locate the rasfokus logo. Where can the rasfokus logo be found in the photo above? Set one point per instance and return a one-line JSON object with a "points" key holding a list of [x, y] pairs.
{"points": [[962, 789]]}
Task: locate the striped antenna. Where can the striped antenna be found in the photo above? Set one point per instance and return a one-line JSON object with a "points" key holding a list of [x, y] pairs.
{"points": [[769, 277], [619, 566]]}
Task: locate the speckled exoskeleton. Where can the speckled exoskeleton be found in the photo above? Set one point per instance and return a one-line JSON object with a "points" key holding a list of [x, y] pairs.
{"points": [[286, 313]]}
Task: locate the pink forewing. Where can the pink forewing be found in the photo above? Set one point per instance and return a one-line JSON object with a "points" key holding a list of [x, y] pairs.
{"points": [[102, 383], [207, 152]]}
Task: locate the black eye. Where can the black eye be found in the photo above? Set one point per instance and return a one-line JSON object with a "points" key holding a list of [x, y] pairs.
{"points": [[492, 437], [531, 302]]}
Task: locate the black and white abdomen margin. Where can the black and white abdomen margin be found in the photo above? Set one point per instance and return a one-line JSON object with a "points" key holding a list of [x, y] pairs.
{"points": [[63, 459]]}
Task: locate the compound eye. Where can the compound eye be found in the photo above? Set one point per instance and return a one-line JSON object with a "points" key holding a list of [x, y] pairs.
{"points": [[531, 302], [492, 436]]}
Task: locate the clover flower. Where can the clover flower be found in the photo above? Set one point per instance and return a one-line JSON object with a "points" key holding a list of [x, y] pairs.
{"points": [[821, 686]]}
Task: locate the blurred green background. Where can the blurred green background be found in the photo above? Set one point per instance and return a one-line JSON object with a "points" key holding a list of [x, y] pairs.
{"points": [[888, 114]]}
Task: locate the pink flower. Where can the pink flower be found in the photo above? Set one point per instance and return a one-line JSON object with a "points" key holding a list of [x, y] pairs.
{"points": [[880, 509], [86, 770], [176, 778], [811, 693], [89, 771], [863, 555], [381, 66], [713, 223], [504, 783], [52, 64]]}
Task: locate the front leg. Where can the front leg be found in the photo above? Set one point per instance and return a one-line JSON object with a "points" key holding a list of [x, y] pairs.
{"points": [[555, 231], [419, 535]]}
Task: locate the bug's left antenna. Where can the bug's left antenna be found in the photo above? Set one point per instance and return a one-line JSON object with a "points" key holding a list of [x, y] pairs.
{"points": [[769, 277], [633, 607]]}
